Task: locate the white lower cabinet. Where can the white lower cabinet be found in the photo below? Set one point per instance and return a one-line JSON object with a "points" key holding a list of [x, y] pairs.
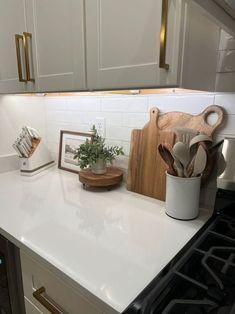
{"points": [[53, 295], [31, 308]]}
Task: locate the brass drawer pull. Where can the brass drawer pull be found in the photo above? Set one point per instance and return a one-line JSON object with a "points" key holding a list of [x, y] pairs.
{"points": [[46, 302], [18, 55], [163, 36], [26, 51]]}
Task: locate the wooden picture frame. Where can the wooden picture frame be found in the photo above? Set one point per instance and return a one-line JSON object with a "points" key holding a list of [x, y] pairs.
{"points": [[69, 141]]}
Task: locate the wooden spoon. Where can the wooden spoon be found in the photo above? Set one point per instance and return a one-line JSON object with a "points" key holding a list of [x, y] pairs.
{"points": [[168, 159], [214, 148], [200, 161], [182, 154]]}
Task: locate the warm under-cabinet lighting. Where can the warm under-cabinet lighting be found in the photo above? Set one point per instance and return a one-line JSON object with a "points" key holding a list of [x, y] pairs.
{"points": [[116, 92]]}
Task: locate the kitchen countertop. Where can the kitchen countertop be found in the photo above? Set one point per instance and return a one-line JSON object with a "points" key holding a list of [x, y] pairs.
{"points": [[112, 243]]}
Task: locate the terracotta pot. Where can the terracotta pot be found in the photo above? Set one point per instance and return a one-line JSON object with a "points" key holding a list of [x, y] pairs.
{"points": [[99, 167]]}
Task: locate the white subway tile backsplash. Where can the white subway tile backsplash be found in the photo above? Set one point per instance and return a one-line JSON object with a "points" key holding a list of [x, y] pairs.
{"points": [[113, 142], [124, 104], [58, 116], [126, 147], [227, 101], [53, 131], [78, 127], [121, 161], [83, 103], [78, 117], [118, 133], [135, 120], [55, 103], [53, 147], [112, 118], [190, 103], [122, 113], [228, 126]]}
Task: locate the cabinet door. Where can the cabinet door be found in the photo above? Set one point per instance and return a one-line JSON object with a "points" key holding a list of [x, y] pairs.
{"points": [[12, 21], [57, 28], [58, 293], [123, 43], [30, 308]]}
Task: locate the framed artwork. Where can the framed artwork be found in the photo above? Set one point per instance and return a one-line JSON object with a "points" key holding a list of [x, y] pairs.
{"points": [[69, 142]]}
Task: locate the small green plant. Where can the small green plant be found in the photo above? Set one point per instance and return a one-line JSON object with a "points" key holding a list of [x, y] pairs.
{"points": [[90, 152]]}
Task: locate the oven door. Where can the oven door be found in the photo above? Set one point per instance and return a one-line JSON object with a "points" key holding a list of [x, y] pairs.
{"points": [[11, 288]]}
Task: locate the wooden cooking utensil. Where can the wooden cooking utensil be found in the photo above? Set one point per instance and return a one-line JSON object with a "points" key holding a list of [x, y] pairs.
{"points": [[200, 161], [214, 148], [168, 158], [211, 160], [185, 135], [146, 172], [182, 154]]}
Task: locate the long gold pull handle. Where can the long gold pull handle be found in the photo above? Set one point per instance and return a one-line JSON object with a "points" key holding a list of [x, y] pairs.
{"points": [[26, 51], [46, 302], [163, 36], [18, 55]]}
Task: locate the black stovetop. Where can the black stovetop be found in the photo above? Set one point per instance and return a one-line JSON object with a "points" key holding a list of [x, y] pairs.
{"points": [[201, 278]]}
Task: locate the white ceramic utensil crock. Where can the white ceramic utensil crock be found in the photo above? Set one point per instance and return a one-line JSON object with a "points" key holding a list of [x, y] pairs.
{"points": [[182, 197]]}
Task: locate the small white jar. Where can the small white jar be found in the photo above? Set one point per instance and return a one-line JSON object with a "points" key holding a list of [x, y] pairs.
{"points": [[182, 197]]}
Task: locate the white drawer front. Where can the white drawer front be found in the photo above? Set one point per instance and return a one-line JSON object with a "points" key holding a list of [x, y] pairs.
{"points": [[61, 295], [31, 308]]}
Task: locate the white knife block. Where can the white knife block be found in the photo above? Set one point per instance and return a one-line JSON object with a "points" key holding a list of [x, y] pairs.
{"points": [[39, 160]]}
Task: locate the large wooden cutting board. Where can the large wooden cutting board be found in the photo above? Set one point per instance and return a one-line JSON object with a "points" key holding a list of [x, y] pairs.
{"points": [[145, 164], [146, 171]]}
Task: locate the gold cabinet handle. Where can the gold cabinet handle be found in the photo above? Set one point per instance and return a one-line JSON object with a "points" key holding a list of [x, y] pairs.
{"points": [[26, 51], [46, 302], [18, 55], [163, 36]]}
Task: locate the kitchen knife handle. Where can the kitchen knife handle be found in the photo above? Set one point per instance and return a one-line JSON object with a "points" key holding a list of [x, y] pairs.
{"points": [[26, 51], [163, 36], [18, 55], [46, 302]]}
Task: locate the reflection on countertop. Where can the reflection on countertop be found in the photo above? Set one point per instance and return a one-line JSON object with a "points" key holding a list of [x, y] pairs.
{"points": [[113, 243]]}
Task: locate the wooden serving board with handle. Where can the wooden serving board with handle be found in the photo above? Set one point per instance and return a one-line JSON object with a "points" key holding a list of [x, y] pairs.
{"points": [[146, 171], [145, 164], [170, 120]]}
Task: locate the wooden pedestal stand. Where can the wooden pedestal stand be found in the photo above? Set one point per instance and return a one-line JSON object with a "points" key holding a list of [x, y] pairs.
{"points": [[111, 178]]}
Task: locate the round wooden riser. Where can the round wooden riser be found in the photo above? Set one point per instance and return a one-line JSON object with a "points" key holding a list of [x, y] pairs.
{"points": [[112, 177]]}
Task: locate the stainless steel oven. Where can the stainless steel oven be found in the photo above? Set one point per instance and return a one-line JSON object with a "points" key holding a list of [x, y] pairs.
{"points": [[11, 289]]}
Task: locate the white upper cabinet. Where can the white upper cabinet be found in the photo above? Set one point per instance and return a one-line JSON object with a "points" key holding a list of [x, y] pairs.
{"points": [[72, 45], [57, 28], [123, 43], [47, 53], [12, 22]]}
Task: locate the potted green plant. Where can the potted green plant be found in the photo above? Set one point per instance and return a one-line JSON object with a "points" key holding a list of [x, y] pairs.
{"points": [[95, 154]]}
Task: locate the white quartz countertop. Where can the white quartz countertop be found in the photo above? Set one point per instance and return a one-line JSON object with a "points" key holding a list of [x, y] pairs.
{"points": [[112, 243]]}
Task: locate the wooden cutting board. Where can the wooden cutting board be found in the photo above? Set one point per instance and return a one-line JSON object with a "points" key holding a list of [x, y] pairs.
{"points": [[146, 171], [145, 164], [170, 120]]}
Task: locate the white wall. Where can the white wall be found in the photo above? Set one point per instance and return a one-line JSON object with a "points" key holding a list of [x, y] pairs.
{"points": [[122, 113]]}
